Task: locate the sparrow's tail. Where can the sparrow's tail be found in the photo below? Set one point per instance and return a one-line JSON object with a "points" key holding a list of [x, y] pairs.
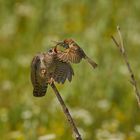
{"points": [[91, 62]]}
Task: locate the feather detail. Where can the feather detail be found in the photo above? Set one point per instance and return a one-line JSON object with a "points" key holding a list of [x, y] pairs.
{"points": [[91, 62], [62, 72], [38, 82]]}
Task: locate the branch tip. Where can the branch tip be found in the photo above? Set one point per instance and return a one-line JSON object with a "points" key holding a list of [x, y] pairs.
{"points": [[120, 45]]}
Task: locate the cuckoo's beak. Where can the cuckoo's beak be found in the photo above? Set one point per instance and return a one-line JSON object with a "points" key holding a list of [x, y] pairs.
{"points": [[55, 49]]}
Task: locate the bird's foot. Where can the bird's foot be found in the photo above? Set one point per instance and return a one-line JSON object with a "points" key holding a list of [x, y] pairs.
{"points": [[51, 81]]}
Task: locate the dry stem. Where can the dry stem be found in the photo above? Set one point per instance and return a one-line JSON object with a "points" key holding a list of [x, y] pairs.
{"points": [[67, 113], [120, 45]]}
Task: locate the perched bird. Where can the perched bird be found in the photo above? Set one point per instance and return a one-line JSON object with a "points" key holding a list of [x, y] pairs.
{"points": [[72, 53], [47, 68], [38, 76]]}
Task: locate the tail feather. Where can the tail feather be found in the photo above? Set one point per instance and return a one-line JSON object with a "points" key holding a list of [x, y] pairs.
{"points": [[40, 91], [91, 62]]}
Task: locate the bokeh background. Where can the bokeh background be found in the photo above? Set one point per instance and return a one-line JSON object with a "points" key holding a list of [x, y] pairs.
{"points": [[102, 101]]}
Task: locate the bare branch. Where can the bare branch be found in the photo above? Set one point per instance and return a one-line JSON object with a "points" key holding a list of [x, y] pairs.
{"points": [[124, 54], [67, 113]]}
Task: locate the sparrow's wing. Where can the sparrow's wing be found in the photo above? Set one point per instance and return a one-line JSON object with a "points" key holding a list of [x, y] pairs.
{"points": [[74, 56], [69, 55], [38, 82], [62, 72]]}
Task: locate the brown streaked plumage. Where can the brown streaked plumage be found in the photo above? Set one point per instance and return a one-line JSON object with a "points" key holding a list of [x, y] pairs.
{"points": [[61, 70], [47, 68], [38, 76], [72, 53]]}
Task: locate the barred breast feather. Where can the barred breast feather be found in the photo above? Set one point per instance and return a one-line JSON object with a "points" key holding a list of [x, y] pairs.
{"points": [[38, 82]]}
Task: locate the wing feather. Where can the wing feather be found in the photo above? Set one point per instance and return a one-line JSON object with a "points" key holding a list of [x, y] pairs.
{"points": [[70, 56], [62, 72]]}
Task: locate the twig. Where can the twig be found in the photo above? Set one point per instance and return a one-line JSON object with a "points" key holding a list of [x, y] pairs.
{"points": [[124, 54], [67, 113]]}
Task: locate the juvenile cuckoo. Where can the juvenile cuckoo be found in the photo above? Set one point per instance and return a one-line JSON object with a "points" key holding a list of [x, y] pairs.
{"points": [[47, 68]]}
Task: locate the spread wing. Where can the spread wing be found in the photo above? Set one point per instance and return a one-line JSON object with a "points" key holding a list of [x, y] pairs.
{"points": [[69, 55], [38, 82], [62, 72]]}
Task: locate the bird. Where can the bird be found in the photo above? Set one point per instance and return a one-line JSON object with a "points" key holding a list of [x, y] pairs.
{"points": [[47, 68], [72, 52], [38, 76]]}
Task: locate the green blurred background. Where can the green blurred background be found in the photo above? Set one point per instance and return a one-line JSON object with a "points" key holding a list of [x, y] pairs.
{"points": [[102, 101]]}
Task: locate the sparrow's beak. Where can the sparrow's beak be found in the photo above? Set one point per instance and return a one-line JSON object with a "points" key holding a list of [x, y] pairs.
{"points": [[61, 43]]}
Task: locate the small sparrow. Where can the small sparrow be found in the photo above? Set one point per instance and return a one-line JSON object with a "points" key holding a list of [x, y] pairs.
{"points": [[47, 68], [73, 53]]}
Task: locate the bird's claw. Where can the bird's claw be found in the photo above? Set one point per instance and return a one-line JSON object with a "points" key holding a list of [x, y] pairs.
{"points": [[51, 81]]}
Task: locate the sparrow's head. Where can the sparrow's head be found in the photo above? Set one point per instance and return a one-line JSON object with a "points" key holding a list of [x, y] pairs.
{"points": [[65, 43], [68, 41]]}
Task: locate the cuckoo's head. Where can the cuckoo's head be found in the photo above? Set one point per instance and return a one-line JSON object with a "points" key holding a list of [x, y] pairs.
{"points": [[52, 51]]}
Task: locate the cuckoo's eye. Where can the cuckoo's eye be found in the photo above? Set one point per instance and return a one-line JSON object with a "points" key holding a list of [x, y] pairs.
{"points": [[43, 71]]}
